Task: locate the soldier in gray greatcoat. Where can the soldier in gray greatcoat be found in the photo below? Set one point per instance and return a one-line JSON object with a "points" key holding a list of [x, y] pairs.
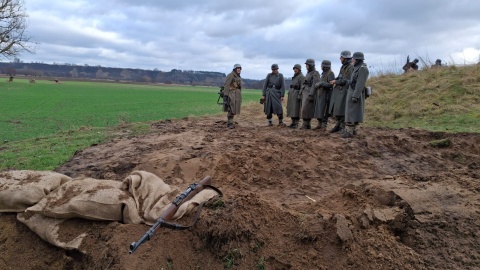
{"points": [[355, 106], [324, 92], [308, 92], [273, 93], [294, 101], [232, 94], [339, 94]]}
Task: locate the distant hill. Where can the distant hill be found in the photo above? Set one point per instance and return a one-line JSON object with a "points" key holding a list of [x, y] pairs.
{"points": [[175, 76]]}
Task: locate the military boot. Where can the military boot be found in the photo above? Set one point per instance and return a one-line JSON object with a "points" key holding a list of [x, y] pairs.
{"points": [[336, 128], [348, 132], [230, 123], [281, 123], [306, 125], [270, 123]]}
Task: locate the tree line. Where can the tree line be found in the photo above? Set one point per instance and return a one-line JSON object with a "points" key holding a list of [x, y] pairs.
{"points": [[86, 72]]}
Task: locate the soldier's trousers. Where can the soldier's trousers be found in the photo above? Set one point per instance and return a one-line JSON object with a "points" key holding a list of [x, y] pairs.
{"points": [[270, 115]]}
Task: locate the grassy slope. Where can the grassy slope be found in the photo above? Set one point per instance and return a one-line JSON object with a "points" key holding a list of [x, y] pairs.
{"points": [[446, 99]]}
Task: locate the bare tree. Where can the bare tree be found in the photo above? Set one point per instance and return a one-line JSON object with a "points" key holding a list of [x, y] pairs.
{"points": [[13, 23]]}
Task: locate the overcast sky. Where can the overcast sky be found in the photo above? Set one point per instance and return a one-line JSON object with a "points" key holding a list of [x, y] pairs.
{"points": [[213, 35]]}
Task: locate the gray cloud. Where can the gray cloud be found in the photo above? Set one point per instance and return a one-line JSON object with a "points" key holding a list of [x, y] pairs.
{"points": [[213, 35]]}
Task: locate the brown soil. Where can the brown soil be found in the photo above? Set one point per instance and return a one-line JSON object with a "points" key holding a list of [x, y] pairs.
{"points": [[294, 199]]}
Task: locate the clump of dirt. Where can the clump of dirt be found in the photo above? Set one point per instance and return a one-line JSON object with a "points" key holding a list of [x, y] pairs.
{"points": [[294, 199]]}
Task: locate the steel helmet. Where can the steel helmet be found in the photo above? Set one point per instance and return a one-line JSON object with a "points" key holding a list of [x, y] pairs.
{"points": [[358, 56], [237, 66], [326, 63], [274, 66], [415, 60], [297, 66], [310, 62], [346, 54]]}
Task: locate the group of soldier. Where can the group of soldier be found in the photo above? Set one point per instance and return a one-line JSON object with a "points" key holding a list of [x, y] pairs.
{"points": [[314, 95], [413, 65]]}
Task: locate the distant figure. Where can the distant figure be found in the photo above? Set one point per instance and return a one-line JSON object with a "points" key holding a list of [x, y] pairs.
{"points": [[438, 63], [32, 80], [10, 79], [57, 81], [410, 66]]}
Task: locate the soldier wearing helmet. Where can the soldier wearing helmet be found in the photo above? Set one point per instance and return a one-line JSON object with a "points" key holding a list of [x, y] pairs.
{"points": [[273, 92], [410, 66], [438, 63], [232, 94], [339, 93], [308, 93], [294, 101], [355, 106], [324, 92]]}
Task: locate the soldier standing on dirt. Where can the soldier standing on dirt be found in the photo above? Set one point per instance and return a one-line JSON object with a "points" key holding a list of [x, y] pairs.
{"points": [[294, 101], [339, 93], [273, 93], [308, 93], [355, 106], [324, 92], [232, 92]]}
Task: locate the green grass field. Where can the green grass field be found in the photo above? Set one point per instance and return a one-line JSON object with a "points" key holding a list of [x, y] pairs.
{"points": [[44, 108], [43, 124]]}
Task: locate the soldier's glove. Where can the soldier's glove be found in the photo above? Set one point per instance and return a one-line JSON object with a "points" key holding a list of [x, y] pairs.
{"points": [[310, 98], [262, 101], [354, 99], [291, 86]]}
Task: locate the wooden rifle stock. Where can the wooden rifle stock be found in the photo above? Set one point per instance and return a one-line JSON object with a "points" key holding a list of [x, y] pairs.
{"points": [[168, 214]]}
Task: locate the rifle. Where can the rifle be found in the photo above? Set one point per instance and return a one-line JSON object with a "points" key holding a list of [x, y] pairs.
{"points": [[407, 65], [225, 103], [220, 95], [191, 191]]}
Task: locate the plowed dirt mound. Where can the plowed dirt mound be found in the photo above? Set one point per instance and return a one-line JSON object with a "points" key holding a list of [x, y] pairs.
{"points": [[294, 199]]}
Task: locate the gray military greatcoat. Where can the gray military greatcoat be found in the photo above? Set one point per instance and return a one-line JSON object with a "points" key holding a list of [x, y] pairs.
{"points": [[273, 90], [339, 93], [309, 90], [294, 102], [324, 93], [354, 112]]}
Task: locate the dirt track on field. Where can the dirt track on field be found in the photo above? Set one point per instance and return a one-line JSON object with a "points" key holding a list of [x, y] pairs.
{"points": [[294, 199]]}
